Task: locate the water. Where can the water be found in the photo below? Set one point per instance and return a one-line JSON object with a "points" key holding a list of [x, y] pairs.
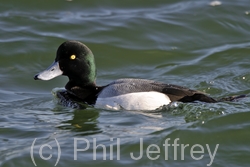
{"points": [[189, 43]]}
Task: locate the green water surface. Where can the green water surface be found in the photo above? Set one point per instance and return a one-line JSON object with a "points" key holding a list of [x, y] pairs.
{"points": [[184, 42]]}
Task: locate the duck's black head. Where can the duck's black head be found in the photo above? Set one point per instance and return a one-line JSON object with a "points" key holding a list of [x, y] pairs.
{"points": [[74, 60]]}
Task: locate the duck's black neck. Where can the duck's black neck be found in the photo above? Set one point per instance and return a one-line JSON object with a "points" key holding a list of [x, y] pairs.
{"points": [[85, 92], [82, 84]]}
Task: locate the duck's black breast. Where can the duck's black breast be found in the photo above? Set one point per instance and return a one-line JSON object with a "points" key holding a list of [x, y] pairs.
{"points": [[76, 96], [86, 94]]}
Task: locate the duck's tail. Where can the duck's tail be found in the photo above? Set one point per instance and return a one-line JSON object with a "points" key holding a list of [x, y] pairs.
{"points": [[204, 98], [208, 99], [231, 98]]}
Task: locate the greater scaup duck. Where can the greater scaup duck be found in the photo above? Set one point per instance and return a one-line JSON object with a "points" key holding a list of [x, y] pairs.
{"points": [[76, 61]]}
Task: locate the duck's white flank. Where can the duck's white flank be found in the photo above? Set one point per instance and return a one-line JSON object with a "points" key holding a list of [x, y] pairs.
{"points": [[134, 101]]}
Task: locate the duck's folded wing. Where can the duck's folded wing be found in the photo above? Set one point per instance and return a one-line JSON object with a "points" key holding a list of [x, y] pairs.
{"points": [[174, 92], [177, 93]]}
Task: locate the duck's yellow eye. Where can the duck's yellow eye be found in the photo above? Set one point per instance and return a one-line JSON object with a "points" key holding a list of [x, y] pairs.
{"points": [[73, 57]]}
